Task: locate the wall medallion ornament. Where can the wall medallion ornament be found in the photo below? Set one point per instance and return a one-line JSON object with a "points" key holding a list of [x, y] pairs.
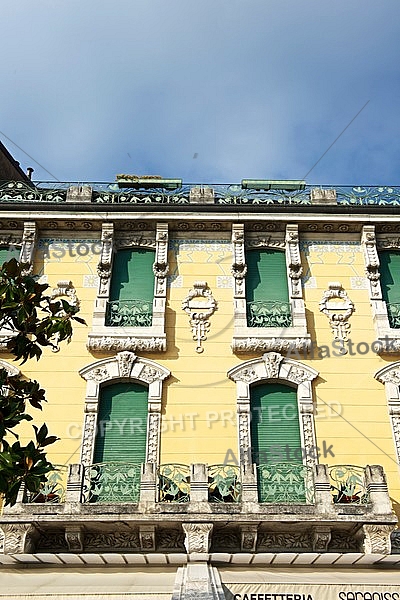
{"points": [[338, 307], [199, 304]]}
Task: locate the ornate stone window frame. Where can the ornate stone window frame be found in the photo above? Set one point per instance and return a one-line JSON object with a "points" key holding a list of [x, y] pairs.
{"points": [[390, 377], [26, 240], [256, 339], [388, 339], [148, 339], [125, 366], [271, 367]]}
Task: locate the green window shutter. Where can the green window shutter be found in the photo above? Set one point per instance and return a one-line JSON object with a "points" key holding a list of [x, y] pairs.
{"points": [[390, 282], [132, 289], [274, 422], [267, 293], [7, 254], [122, 424], [132, 275], [276, 444]]}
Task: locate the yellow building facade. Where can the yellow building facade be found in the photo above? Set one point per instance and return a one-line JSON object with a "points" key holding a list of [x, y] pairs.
{"points": [[218, 508]]}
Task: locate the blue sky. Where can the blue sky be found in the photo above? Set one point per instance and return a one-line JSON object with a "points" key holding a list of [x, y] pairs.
{"points": [[210, 91]]}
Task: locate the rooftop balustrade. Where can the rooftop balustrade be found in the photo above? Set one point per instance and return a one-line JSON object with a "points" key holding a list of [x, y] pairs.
{"points": [[218, 194]]}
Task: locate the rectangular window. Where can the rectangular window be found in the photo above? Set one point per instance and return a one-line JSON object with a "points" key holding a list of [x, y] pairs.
{"points": [[132, 289], [267, 294], [390, 283]]}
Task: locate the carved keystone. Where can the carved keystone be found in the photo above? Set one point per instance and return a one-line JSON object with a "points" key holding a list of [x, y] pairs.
{"points": [[197, 537]]}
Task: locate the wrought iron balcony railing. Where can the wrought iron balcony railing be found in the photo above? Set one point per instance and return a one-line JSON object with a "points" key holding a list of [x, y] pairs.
{"points": [[53, 490], [231, 194], [129, 313], [269, 314], [224, 483], [394, 314], [348, 484], [285, 483], [111, 482], [174, 483]]}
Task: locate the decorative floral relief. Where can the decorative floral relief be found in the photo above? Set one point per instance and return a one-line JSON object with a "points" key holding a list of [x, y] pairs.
{"points": [[199, 304]]}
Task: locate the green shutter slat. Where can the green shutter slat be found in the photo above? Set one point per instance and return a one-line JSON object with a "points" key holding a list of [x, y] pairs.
{"points": [[7, 254], [132, 275], [390, 276], [122, 424], [266, 277], [275, 422]]}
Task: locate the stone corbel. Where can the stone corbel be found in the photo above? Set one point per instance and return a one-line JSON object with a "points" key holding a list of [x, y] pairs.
{"points": [[239, 267], [147, 536], [248, 538], [197, 537], [368, 242], [104, 267], [19, 538], [321, 537], [74, 538], [160, 267], [29, 238], [377, 539], [293, 261]]}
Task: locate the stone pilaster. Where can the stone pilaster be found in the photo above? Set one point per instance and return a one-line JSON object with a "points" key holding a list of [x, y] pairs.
{"points": [[375, 481], [74, 483], [148, 483], [322, 489], [198, 482]]}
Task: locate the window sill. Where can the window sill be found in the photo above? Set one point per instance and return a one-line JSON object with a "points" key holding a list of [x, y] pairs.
{"points": [[116, 339], [271, 339]]}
